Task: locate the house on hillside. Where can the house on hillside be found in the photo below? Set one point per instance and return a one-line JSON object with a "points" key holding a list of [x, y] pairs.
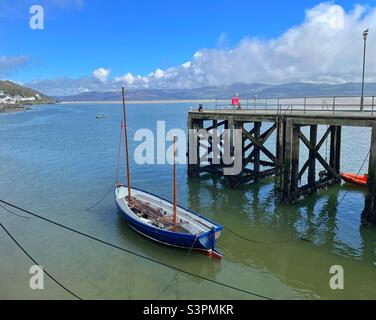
{"points": [[19, 98], [7, 100], [28, 99]]}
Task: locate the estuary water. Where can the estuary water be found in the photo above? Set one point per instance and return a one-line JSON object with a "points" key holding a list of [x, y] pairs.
{"points": [[59, 160]]}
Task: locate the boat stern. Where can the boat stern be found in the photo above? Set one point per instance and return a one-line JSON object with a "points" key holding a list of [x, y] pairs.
{"points": [[209, 239]]}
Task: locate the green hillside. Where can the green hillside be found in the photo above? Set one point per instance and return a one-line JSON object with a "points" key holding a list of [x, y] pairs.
{"points": [[13, 89]]}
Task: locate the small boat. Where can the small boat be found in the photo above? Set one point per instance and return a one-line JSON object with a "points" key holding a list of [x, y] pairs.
{"points": [[360, 180], [160, 220], [152, 217], [100, 116]]}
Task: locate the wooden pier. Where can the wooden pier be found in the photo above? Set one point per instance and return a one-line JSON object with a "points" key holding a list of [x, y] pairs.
{"points": [[294, 177]]}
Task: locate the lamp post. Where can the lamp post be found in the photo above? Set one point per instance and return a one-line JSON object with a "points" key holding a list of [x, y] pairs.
{"points": [[365, 34]]}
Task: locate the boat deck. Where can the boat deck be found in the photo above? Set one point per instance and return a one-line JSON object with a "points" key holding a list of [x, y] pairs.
{"points": [[158, 214], [168, 212]]}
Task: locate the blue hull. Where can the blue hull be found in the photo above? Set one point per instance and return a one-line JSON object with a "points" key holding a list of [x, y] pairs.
{"points": [[204, 242]]}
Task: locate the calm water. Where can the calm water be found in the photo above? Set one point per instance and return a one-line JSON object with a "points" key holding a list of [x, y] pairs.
{"points": [[59, 160]]}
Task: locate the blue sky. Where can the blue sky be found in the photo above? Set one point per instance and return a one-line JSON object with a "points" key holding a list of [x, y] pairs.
{"points": [[137, 37]]}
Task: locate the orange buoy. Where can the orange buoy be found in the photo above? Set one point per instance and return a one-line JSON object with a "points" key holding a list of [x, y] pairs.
{"points": [[360, 180]]}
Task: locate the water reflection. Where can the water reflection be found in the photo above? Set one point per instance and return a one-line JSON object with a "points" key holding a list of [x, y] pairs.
{"points": [[324, 218], [172, 256], [254, 213]]}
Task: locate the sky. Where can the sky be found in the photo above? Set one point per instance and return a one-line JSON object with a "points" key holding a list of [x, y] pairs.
{"points": [[100, 45]]}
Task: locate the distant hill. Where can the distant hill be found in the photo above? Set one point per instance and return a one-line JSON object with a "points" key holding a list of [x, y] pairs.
{"points": [[13, 89], [226, 92]]}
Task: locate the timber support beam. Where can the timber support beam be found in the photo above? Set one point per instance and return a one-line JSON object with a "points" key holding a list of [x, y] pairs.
{"points": [[369, 213]]}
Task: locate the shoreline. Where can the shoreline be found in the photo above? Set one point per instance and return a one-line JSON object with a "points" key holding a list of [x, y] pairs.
{"points": [[138, 101], [6, 109]]}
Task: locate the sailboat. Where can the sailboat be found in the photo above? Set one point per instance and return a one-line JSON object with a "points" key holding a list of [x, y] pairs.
{"points": [[160, 220]]}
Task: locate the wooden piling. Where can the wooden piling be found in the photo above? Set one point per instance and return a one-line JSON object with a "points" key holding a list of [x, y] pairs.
{"points": [[280, 146], [194, 151], [312, 158], [256, 164], [210, 150], [369, 213], [335, 148], [287, 161], [295, 144]]}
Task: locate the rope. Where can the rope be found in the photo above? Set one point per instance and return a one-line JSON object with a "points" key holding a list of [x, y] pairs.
{"points": [[36, 263], [182, 178], [136, 254], [345, 194], [13, 213], [112, 187], [177, 273], [102, 199], [257, 241], [319, 225], [117, 171]]}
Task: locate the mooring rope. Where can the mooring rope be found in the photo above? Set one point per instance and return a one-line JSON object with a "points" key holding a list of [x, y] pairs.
{"points": [[36, 263], [177, 272], [101, 200], [258, 241], [13, 213], [228, 286], [345, 194]]}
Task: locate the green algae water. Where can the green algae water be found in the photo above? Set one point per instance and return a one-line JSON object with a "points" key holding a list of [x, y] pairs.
{"points": [[59, 160]]}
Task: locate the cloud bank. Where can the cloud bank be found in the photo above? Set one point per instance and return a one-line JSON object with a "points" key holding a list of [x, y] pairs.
{"points": [[10, 64], [325, 48]]}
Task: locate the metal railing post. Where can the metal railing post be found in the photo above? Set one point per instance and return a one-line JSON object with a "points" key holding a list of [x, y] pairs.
{"points": [[373, 103], [305, 104], [334, 104], [254, 103]]}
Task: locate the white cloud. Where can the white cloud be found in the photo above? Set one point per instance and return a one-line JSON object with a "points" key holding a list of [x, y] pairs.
{"points": [[326, 47], [101, 74], [158, 74], [187, 65], [127, 78], [9, 64]]}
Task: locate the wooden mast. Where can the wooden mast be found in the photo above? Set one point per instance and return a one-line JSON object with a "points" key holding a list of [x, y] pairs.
{"points": [[126, 144], [175, 191]]}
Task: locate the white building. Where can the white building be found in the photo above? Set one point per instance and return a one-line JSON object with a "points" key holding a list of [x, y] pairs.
{"points": [[7, 100], [19, 98], [28, 99]]}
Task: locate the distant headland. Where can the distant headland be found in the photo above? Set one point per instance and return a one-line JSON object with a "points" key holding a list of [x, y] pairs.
{"points": [[14, 97]]}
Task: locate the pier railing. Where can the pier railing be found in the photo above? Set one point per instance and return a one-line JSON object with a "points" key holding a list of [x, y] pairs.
{"points": [[328, 104]]}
